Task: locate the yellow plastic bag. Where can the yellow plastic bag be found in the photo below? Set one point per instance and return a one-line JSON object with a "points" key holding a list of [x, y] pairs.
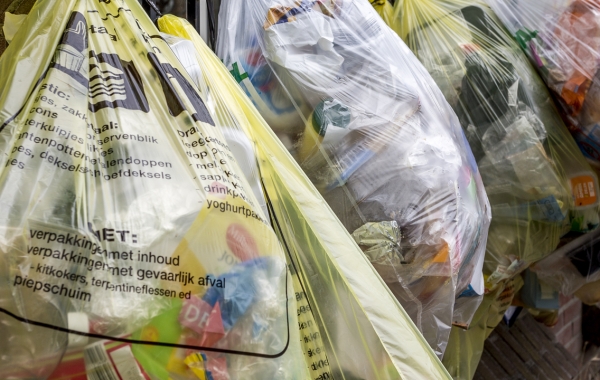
{"points": [[466, 346], [359, 319], [112, 234], [12, 23], [385, 9]]}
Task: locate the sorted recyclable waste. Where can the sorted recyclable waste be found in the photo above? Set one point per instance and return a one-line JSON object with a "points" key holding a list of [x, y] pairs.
{"points": [[562, 40], [358, 332], [539, 185], [112, 218], [139, 239], [371, 130]]}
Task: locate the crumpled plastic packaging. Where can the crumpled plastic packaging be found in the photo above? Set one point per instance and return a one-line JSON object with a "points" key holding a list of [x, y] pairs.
{"points": [[374, 134], [539, 185], [562, 40]]}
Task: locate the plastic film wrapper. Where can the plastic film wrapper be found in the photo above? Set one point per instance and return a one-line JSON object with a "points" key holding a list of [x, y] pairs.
{"points": [[376, 137], [562, 41], [539, 185]]}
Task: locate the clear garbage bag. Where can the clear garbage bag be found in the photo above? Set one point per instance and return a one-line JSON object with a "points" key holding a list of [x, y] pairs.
{"points": [[538, 182], [111, 218], [562, 40], [376, 137], [539, 185]]}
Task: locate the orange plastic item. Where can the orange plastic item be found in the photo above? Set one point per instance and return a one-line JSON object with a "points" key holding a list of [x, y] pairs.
{"points": [[583, 190], [578, 29]]}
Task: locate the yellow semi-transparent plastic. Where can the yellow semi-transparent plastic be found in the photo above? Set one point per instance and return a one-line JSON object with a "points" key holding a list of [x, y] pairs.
{"points": [[364, 326]]}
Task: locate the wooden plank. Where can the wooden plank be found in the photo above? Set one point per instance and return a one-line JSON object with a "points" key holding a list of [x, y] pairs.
{"points": [[539, 371], [550, 348], [531, 323], [533, 352], [502, 359], [490, 369], [514, 360], [546, 349]]}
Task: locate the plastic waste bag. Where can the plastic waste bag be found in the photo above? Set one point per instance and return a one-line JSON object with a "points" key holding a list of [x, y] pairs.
{"points": [[109, 221], [573, 269], [384, 8], [12, 23], [466, 346], [368, 126], [358, 318], [538, 182], [562, 40], [135, 246]]}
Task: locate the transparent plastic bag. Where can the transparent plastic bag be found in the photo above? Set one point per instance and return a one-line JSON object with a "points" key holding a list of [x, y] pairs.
{"points": [[378, 140], [538, 183], [574, 269], [531, 168], [562, 40], [358, 318]]}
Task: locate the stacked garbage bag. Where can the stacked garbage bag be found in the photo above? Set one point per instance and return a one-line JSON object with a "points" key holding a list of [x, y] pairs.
{"points": [[562, 41], [367, 124], [539, 185], [145, 234]]}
